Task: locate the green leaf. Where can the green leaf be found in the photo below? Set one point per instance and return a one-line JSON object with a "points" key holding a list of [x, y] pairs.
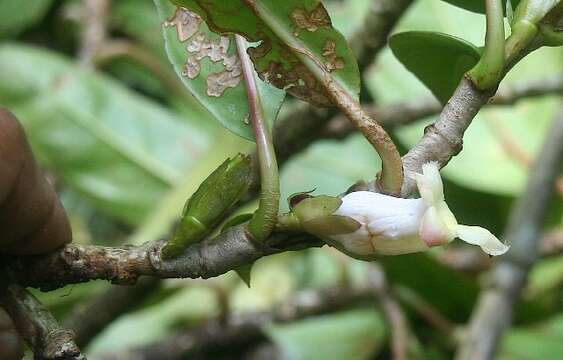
{"points": [[543, 341], [477, 6], [355, 334], [244, 273], [118, 149], [438, 60], [213, 77], [16, 17], [299, 50]]}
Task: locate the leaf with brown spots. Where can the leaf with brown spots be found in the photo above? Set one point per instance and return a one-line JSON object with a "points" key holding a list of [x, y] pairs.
{"points": [[297, 48], [209, 67], [311, 20]]}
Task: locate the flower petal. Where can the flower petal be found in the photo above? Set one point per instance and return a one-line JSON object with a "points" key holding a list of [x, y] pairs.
{"points": [[477, 235], [433, 231], [429, 184]]}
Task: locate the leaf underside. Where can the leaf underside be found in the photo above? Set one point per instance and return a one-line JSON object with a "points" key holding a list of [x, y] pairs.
{"points": [[208, 65]]}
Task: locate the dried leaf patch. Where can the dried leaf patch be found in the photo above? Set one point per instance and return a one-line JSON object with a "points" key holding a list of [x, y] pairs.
{"points": [[199, 46], [311, 21], [334, 62]]}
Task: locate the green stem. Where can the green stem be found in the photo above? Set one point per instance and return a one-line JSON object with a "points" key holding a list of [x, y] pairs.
{"points": [[265, 218], [490, 69], [523, 32]]}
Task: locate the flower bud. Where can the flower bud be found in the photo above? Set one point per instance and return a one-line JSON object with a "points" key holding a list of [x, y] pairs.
{"points": [[209, 205], [316, 216]]}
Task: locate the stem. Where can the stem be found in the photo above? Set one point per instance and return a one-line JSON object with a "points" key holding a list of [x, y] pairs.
{"points": [[390, 180], [94, 16], [391, 177], [489, 70], [265, 218], [523, 32], [38, 327]]}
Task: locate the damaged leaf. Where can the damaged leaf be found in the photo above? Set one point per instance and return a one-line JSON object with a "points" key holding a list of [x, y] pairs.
{"points": [[333, 61], [312, 20], [298, 49], [209, 67]]}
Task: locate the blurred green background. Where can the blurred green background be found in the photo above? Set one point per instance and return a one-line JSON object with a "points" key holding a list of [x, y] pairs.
{"points": [[127, 145]]}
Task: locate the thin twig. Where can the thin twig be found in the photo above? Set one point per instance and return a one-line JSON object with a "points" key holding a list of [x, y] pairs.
{"points": [[552, 243], [94, 18], [38, 327], [240, 329], [426, 310], [89, 319], [407, 112], [493, 313], [371, 37], [392, 310]]}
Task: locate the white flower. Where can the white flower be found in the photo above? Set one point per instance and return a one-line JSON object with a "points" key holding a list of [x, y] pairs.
{"points": [[392, 226]]}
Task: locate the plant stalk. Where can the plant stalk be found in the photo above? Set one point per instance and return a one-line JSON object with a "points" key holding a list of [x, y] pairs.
{"points": [[265, 218], [490, 69], [523, 32], [390, 179]]}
